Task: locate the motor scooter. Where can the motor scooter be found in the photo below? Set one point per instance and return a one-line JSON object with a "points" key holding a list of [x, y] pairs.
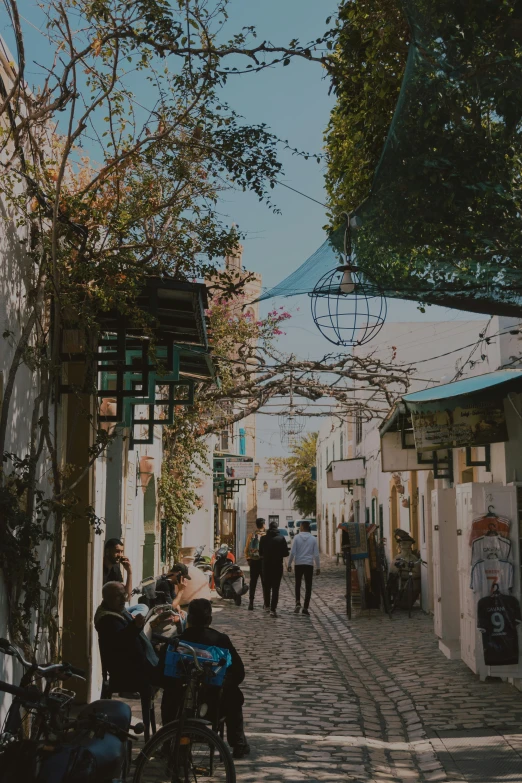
{"points": [[157, 610], [93, 747], [201, 561], [229, 579]]}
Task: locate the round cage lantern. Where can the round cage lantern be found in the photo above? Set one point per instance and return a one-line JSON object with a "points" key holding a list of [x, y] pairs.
{"points": [[348, 308], [291, 426]]}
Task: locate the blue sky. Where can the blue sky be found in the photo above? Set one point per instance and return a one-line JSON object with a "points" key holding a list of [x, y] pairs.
{"points": [[294, 102]]}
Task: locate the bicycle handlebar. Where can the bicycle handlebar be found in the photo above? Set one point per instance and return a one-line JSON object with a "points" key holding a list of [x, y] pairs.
{"points": [[21, 693], [44, 670]]}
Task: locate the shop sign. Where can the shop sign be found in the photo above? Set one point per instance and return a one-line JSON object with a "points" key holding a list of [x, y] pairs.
{"points": [[239, 468], [459, 421]]}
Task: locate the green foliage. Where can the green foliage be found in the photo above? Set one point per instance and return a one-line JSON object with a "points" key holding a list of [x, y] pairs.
{"points": [[370, 56], [185, 461], [298, 476], [108, 192], [442, 221]]}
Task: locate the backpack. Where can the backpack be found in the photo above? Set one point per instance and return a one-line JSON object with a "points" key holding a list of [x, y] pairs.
{"points": [[253, 547]]}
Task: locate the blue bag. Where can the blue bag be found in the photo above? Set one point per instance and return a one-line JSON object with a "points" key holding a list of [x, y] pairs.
{"points": [[175, 660]]}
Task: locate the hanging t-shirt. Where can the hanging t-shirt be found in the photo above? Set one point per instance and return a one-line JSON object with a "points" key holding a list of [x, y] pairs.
{"points": [[485, 546], [487, 575], [489, 525], [497, 619]]}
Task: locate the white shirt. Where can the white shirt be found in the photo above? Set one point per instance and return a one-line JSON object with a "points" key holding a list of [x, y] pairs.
{"points": [[485, 546], [487, 573], [304, 550]]}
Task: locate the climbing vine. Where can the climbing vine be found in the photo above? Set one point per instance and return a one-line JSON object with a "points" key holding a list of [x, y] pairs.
{"points": [[100, 191]]}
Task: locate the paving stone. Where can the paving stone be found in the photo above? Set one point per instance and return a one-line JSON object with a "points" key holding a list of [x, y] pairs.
{"points": [[328, 700]]}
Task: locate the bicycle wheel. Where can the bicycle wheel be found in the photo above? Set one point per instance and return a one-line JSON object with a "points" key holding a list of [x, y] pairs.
{"points": [[392, 588], [409, 595], [197, 756]]}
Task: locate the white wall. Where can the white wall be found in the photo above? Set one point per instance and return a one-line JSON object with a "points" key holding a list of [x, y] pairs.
{"points": [[265, 506]]}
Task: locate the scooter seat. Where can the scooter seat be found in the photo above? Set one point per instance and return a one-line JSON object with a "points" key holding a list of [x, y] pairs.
{"points": [[90, 758], [117, 712]]}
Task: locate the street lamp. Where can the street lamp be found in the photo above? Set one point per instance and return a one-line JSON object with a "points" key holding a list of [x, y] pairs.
{"points": [[265, 486]]}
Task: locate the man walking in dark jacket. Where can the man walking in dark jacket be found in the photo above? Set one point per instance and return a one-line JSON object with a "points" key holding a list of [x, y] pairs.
{"points": [[273, 549]]}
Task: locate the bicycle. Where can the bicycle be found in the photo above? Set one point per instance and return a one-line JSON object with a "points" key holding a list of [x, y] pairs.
{"points": [[188, 750], [402, 592], [39, 741]]}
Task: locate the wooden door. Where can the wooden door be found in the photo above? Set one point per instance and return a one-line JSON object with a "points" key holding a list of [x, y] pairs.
{"points": [[437, 616], [228, 529]]}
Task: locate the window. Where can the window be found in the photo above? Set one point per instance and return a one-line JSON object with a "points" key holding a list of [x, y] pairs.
{"points": [[381, 522], [224, 440], [276, 493], [367, 515], [333, 452], [341, 446], [327, 463], [356, 511], [242, 441], [423, 510], [273, 518], [374, 511], [358, 426]]}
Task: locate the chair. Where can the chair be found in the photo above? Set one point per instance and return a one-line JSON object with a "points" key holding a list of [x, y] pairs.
{"points": [[147, 702]]}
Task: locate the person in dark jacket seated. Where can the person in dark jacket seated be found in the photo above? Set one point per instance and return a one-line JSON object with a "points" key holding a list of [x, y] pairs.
{"points": [[126, 652], [199, 631]]}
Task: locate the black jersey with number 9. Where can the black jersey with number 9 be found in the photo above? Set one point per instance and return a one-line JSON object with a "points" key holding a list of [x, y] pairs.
{"points": [[497, 618]]}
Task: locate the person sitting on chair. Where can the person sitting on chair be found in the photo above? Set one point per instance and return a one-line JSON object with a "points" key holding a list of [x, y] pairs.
{"points": [[172, 585], [199, 631], [126, 653]]}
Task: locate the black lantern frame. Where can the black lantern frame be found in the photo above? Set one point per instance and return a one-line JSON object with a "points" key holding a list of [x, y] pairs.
{"points": [[348, 305]]}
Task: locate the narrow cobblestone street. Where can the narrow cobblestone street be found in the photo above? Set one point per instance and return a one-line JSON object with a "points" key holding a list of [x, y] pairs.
{"points": [[370, 700]]}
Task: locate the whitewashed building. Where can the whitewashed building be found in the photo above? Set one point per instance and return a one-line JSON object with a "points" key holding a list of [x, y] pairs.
{"points": [[274, 501]]}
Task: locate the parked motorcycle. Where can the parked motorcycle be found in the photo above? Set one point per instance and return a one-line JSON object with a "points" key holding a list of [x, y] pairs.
{"points": [[229, 579], [202, 561], [93, 747], [157, 610]]}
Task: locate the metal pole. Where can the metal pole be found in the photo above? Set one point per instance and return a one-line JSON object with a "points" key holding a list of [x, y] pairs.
{"points": [[348, 563]]}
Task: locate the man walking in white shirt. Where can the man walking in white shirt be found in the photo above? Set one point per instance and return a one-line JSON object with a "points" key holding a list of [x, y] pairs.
{"points": [[305, 552]]}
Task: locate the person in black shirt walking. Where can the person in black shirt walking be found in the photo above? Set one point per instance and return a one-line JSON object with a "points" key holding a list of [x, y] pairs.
{"points": [[253, 557], [273, 550]]}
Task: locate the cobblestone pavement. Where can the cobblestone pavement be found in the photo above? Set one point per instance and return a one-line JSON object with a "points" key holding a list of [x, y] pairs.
{"points": [[369, 700]]}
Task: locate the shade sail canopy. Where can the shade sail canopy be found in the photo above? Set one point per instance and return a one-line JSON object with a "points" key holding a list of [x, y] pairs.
{"points": [[477, 384], [304, 279], [441, 222]]}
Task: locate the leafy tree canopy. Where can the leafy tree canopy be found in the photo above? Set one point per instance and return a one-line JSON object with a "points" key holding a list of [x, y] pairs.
{"points": [[298, 474], [427, 128]]}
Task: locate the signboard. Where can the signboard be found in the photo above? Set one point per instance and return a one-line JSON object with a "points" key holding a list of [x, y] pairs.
{"points": [[343, 471], [239, 468], [459, 421]]}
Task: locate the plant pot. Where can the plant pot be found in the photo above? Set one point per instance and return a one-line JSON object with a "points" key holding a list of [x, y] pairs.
{"points": [[405, 502], [146, 471], [108, 407]]}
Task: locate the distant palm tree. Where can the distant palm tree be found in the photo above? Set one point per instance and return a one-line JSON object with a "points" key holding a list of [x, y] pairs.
{"points": [[298, 474]]}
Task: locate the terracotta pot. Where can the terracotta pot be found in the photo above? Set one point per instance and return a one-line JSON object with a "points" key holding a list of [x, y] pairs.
{"points": [[146, 471], [405, 502], [108, 407]]}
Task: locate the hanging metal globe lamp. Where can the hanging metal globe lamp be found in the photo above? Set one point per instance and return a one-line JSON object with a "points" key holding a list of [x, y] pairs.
{"points": [[348, 305]]}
